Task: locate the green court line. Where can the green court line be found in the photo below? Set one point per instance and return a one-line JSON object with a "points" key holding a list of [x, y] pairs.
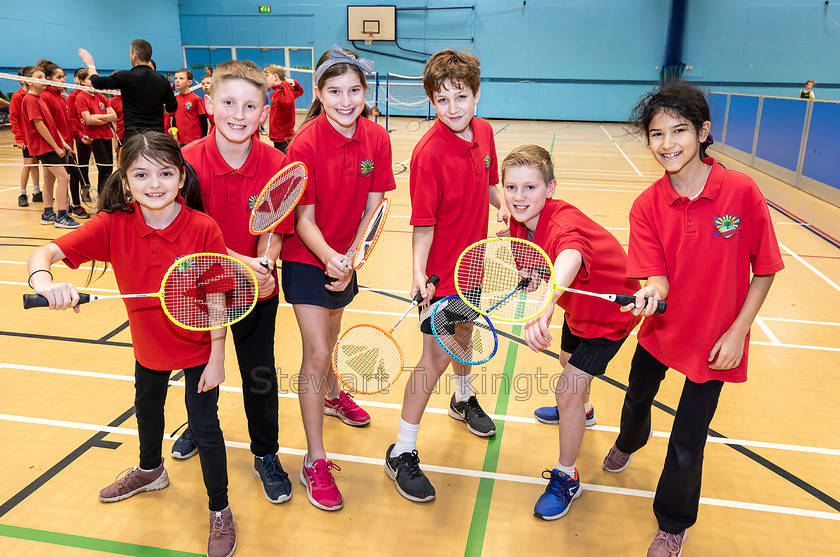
{"points": [[93, 544], [551, 151], [481, 510]]}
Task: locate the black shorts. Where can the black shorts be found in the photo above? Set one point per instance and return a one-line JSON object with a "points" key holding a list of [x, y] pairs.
{"points": [[426, 315], [26, 154], [589, 354], [50, 158], [304, 283]]}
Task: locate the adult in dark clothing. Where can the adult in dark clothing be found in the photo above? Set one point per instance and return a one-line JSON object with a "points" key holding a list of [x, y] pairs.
{"points": [[145, 92]]}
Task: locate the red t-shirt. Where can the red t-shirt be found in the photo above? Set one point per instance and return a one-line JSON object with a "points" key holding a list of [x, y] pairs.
{"points": [[116, 103], [342, 172], [229, 193], [281, 119], [190, 107], [14, 115], [75, 120], [141, 255], [33, 108], [59, 112], [705, 248], [450, 189], [94, 104]]}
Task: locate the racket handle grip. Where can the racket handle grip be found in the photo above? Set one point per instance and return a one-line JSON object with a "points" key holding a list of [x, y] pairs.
{"points": [[624, 299], [38, 301], [433, 280]]}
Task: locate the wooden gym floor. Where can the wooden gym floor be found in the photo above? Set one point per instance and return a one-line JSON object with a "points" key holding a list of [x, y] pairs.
{"points": [[770, 481]]}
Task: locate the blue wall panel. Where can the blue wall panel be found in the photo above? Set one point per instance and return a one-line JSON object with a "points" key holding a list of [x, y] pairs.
{"points": [[822, 162], [740, 129], [717, 113], [780, 131]]}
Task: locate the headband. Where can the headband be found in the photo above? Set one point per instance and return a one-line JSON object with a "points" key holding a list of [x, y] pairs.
{"points": [[338, 56]]}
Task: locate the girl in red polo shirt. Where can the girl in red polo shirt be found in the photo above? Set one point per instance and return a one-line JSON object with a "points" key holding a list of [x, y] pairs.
{"points": [[349, 162], [149, 216], [702, 238], [30, 163]]}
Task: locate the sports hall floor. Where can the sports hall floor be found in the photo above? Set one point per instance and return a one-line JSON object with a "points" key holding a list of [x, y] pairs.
{"points": [[770, 486]]}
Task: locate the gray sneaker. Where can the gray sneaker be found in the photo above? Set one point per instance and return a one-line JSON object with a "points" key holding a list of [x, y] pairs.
{"points": [[222, 541], [411, 482], [667, 545], [23, 201], [276, 485], [134, 482], [469, 412], [65, 221]]}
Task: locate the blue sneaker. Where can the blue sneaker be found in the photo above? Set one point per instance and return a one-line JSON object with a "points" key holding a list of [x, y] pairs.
{"points": [[549, 415], [558, 496], [275, 480]]}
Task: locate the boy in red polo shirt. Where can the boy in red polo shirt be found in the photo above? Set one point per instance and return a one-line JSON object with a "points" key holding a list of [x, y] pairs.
{"points": [[191, 116], [454, 173], [30, 163], [97, 118], [586, 257], [233, 167], [206, 83], [698, 229], [281, 118]]}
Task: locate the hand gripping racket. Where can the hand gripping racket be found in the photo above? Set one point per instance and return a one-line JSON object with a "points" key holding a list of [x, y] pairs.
{"points": [[276, 201], [367, 359], [513, 280], [462, 332], [199, 292]]}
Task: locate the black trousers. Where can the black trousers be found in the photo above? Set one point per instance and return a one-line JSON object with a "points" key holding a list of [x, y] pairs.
{"points": [[678, 492], [80, 177], [150, 388], [104, 155], [281, 145]]}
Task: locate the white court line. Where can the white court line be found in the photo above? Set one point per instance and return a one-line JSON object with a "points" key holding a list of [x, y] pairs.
{"points": [[10, 189], [763, 326], [441, 411], [628, 159], [830, 282], [605, 131], [795, 223], [515, 478], [804, 321], [634, 192]]}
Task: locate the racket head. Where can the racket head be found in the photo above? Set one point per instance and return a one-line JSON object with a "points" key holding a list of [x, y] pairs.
{"points": [[466, 335], [278, 198], [205, 291], [373, 229], [490, 270], [366, 359]]}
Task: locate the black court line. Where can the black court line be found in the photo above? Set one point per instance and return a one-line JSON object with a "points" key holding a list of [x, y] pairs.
{"points": [[97, 441], [66, 339], [115, 332], [815, 231], [21, 245], [27, 238]]}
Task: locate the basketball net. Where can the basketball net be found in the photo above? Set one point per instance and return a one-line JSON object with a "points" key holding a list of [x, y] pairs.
{"points": [[369, 39]]}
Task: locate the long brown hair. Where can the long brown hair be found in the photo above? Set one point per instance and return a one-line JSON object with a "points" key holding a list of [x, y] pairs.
{"points": [[336, 70]]}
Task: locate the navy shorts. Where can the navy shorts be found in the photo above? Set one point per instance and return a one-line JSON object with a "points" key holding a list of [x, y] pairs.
{"points": [[304, 283], [589, 354]]}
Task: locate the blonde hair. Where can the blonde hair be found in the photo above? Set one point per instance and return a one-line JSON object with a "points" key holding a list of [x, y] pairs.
{"points": [[532, 156], [276, 70], [239, 69], [460, 69]]}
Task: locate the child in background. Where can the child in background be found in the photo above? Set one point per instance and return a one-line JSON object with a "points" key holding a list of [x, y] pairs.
{"points": [[233, 166], [46, 143], [699, 228], [30, 163], [453, 179], [281, 119], [807, 92], [349, 162], [116, 103], [206, 82], [149, 216], [80, 180], [191, 117], [586, 257], [98, 119]]}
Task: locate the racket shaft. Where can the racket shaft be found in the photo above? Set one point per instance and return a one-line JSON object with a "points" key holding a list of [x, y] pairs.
{"points": [[434, 279], [264, 261], [38, 301]]}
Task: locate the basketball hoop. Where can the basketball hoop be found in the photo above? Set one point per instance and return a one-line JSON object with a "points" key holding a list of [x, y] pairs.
{"points": [[369, 36]]}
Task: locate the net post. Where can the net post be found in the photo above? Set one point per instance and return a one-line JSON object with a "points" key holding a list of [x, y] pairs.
{"points": [[376, 98], [388, 101]]}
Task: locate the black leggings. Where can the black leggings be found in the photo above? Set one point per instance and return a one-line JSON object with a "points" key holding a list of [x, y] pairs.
{"points": [[104, 155], [79, 177]]}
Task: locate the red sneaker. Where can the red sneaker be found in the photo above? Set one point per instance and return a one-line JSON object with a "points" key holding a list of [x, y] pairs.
{"points": [[345, 409], [320, 485], [134, 482]]}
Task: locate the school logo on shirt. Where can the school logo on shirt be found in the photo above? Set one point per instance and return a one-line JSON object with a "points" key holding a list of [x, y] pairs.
{"points": [[252, 200], [101, 105], [188, 105], [365, 168], [186, 264], [727, 226], [487, 161]]}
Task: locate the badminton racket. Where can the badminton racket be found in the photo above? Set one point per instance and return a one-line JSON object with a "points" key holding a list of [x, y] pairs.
{"points": [[466, 335], [276, 201], [373, 229], [366, 358], [513, 280], [199, 292]]}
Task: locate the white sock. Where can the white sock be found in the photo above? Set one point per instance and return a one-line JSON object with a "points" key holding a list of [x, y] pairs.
{"points": [[587, 406], [36, 188], [406, 438], [462, 387], [307, 461], [568, 470], [23, 191]]}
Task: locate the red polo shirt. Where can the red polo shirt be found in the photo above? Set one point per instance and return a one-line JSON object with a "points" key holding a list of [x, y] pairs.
{"points": [[75, 119], [563, 226], [229, 193], [94, 104], [190, 107], [706, 248], [141, 255], [342, 172], [281, 119], [33, 108], [116, 103], [450, 190], [58, 110], [14, 115]]}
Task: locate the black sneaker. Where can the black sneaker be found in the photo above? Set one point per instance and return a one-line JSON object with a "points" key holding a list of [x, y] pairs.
{"points": [[78, 212], [478, 422], [23, 201], [275, 480], [64, 221], [48, 218], [37, 197], [411, 482], [184, 447]]}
